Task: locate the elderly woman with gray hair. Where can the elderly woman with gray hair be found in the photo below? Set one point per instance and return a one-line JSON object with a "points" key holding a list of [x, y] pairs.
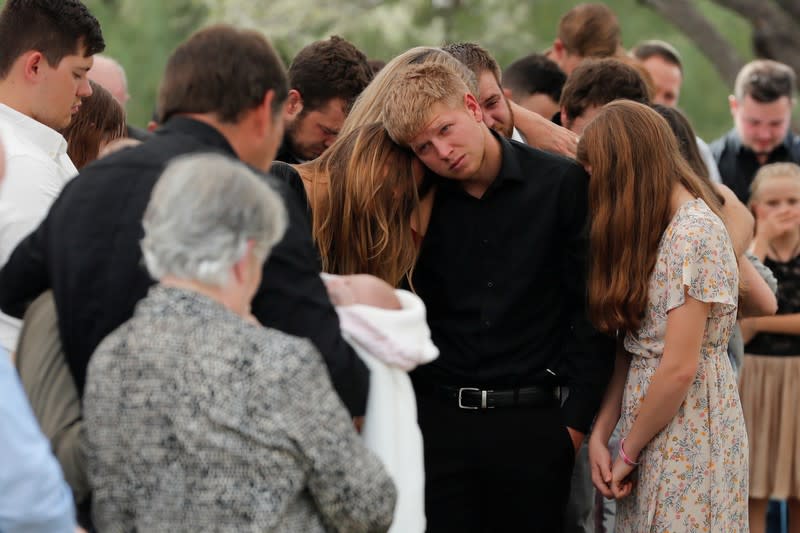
{"points": [[196, 417]]}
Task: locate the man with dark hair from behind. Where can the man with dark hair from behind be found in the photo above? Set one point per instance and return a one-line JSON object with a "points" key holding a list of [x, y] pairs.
{"points": [[593, 84], [761, 106], [87, 249], [325, 78], [535, 83], [47, 48]]}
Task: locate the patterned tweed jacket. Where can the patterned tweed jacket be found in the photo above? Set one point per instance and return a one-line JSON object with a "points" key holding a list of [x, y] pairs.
{"points": [[196, 420]]}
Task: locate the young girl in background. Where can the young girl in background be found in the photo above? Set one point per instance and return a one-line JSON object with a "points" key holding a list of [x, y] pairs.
{"points": [[770, 381]]}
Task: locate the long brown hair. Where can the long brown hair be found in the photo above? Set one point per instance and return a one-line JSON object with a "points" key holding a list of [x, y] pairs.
{"points": [[99, 119], [363, 223], [635, 164]]}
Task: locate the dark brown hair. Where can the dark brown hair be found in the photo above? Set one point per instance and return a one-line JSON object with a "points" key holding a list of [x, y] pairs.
{"points": [[221, 70], [765, 81], [534, 74], [100, 119], [655, 48], [635, 163], [596, 82], [590, 30], [475, 57], [329, 69], [56, 28]]}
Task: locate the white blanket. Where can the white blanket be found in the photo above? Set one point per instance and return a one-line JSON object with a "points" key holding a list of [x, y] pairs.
{"points": [[391, 343]]}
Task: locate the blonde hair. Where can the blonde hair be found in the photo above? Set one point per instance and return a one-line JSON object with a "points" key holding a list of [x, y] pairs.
{"points": [[369, 104], [771, 171], [408, 105], [363, 223]]}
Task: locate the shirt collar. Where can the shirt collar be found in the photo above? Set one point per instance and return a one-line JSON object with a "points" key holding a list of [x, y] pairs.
{"points": [[736, 142], [44, 137], [200, 130], [509, 166]]}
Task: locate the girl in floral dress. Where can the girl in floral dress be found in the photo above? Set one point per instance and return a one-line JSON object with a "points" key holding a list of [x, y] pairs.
{"points": [[664, 278]]}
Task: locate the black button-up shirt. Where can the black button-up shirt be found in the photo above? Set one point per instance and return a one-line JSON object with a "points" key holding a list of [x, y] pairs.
{"points": [[87, 250], [504, 281], [738, 164]]}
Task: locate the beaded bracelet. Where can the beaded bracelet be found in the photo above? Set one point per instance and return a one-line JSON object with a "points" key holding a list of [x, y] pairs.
{"points": [[625, 459]]}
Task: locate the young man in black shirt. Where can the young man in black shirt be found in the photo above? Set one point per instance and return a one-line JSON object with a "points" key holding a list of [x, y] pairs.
{"points": [[502, 272]]}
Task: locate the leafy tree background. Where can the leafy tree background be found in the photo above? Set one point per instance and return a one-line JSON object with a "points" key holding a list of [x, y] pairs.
{"points": [[141, 34]]}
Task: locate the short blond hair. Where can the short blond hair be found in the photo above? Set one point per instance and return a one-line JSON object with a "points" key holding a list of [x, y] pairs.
{"points": [[408, 104], [771, 171], [369, 104]]}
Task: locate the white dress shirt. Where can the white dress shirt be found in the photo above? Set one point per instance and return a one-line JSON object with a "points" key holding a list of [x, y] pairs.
{"points": [[37, 167]]}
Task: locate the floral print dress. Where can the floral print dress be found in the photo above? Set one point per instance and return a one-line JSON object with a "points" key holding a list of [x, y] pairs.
{"points": [[693, 474]]}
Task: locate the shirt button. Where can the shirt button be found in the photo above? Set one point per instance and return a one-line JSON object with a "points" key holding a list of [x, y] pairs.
{"points": [[487, 323], [485, 242], [490, 284]]}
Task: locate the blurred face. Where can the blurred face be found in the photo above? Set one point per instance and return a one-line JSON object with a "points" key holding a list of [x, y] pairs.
{"points": [[496, 109], [761, 126], [60, 90], [452, 144], [667, 78], [107, 74], [779, 198], [540, 103], [312, 132], [578, 124]]}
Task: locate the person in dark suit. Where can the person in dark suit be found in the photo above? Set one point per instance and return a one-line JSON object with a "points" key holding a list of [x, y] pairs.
{"points": [[87, 248]]}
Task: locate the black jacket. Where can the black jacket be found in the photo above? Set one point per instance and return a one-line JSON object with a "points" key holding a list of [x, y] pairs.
{"points": [[87, 251]]}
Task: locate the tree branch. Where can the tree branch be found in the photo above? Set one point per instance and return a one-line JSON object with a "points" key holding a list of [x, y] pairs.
{"points": [[776, 34], [685, 16]]}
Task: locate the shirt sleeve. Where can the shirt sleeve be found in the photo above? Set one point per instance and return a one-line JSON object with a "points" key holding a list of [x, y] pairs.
{"points": [[35, 496], [588, 355], [348, 482], [293, 299], [701, 260]]}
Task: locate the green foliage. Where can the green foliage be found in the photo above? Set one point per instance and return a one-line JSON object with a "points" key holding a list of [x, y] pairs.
{"points": [[142, 33]]}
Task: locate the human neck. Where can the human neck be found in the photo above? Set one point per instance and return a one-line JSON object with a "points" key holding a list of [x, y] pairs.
{"points": [[239, 136], [479, 183], [218, 294], [786, 246], [680, 195]]}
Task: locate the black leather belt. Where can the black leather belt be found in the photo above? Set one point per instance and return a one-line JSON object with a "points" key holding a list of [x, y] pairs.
{"points": [[475, 398]]}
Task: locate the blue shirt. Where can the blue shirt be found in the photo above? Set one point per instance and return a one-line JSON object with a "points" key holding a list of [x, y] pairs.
{"points": [[33, 494]]}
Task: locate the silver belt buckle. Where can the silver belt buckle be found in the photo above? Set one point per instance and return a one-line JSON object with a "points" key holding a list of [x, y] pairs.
{"points": [[461, 391]]}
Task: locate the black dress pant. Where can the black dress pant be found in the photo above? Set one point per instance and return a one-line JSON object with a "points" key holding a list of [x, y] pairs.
{"points": [[494, 470]]}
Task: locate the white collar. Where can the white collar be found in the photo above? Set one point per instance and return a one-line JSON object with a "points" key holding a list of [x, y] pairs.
{"points": [[44, 137]]}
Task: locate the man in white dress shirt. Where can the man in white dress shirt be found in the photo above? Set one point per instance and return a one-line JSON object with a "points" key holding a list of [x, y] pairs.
{"points": [[47, 51]]}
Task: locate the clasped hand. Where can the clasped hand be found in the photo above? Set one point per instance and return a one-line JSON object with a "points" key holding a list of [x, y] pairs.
{"points": [[612, 480]]}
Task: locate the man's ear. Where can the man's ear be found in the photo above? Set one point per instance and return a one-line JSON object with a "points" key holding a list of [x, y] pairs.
{"points": [[733, 104], [558, 49], [473, 107], [507, 93], [32, 64], [564, 118], [294, 104]]}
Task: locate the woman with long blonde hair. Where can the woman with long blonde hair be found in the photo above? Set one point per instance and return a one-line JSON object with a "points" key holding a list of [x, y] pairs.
{"points": [[663, 278]]}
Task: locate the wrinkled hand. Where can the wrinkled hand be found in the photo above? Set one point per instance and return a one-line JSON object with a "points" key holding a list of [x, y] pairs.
{"points": [[540, 132], [551, 137], [621, 482], [600, 463]]}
